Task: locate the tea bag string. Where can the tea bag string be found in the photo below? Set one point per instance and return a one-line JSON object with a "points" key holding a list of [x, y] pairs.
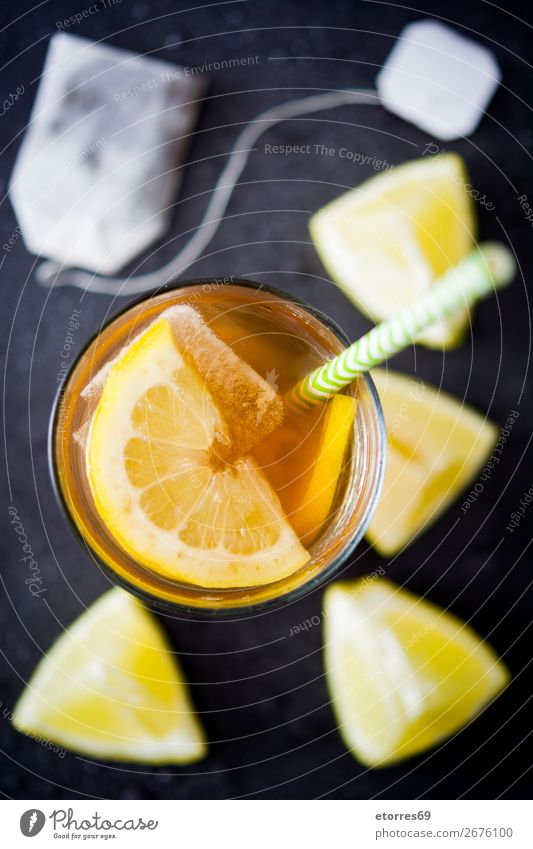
{"points": [[50, 273]]}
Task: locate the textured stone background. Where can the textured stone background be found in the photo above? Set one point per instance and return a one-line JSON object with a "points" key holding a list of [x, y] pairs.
{"points": [[261, 692]]}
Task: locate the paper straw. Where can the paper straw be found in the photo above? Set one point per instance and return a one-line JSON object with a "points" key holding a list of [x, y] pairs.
{"points": [[487, 268]]}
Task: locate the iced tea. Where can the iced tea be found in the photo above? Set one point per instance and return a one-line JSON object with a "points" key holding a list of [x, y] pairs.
{"points": [[275, 340]]}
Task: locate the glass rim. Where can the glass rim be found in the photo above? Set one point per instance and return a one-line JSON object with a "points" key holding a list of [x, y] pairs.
{"points": [[254, 608]]}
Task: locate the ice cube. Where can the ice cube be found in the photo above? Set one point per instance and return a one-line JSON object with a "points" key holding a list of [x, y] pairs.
{"points": [[438, 79], [251, 407], [97, 170]]}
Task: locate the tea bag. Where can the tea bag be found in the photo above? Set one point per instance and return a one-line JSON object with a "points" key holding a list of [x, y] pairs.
{"points": [[103, 155], [438, 80]]}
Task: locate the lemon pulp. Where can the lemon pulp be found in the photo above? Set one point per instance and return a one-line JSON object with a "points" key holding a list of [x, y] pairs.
{"points": [[436, 445], [402, 673], [110, 687], [314, 494]]}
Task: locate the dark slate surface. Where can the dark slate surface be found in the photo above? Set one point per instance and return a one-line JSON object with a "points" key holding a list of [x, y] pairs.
{"points": [[262, 693]]}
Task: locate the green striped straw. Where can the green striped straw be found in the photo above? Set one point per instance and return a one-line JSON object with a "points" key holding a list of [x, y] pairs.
{"points": [[487, 268]]}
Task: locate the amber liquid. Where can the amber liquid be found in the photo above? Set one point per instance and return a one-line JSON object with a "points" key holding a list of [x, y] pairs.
{"points": [[281, 340], [280, 355]]}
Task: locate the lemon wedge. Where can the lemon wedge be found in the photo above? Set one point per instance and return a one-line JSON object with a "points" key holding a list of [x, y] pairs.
{"points": [[403, 674], [386, 241], [314, 494], [436, 446], [111, 688], [157, 488]]}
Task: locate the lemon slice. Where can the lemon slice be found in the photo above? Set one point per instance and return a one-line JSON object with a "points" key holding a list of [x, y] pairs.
{"points": [[111, 688], [386, 241], [436, 446], [314, 494], [157, 489], [403, 674]]}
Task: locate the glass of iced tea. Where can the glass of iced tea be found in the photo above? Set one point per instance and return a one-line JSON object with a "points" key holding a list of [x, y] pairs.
{"points": [[178, 464]]}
